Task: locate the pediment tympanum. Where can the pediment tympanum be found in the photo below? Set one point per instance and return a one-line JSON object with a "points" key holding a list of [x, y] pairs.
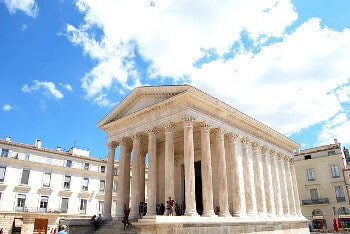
{"points": [[141, 98]]}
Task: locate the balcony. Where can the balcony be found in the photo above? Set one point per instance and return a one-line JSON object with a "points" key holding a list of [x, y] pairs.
{"points": [[315, 201]]}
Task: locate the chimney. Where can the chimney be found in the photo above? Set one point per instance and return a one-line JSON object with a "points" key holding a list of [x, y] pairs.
{"points": [[336, 141], [59, 148], [8, 138], [37, 143]]}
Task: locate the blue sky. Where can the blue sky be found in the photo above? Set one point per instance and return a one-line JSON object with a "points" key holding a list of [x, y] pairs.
{"points": [[66, 64]]}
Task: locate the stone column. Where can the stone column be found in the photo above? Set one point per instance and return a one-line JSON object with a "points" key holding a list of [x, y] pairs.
{"points": [[128, 149], [124, 168], [135, 179], [276, 184], [267, 183], [236, 187], [247, 177], [259, 190], [152, 174], [169, 163], [107, 209], [290, 187], [284, 190], [295, 187], [207, 177], [222, 174], [142, 175], [190, 194]]}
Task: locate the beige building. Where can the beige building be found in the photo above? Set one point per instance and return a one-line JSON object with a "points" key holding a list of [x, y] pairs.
{"points": [[41, 186], [232, 173], [323, 185]]}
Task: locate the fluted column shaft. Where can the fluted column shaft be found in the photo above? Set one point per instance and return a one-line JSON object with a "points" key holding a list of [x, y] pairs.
{"points": [[127, 152], [109, 181], [142, 175], [290, 187], [135, 180], [152, 174], [236, 187], [124, 171], [284, 190], [222, 174], [247, 177], [260, 201], [295, 186], [206, 169], [276, 187], [169, 162], [267, 183], [189, 167]]}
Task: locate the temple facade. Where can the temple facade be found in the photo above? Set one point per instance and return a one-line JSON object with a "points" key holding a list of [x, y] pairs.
{"points": [[220, 164]]}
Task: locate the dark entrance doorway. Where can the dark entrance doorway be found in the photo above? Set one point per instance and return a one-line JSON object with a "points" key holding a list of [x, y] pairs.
{"points": [[198, 187]]}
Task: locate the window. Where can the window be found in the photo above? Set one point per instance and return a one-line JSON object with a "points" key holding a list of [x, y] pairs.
{"points": [[43, 203], [339, 193], [5, 152], [2, 173], [47, 179], [115, 171], [25, 176], [67, 180], [26, 157], [100, 207], [21, 200], [332, 152], [86, 166], [314, 194], [335, 171], [307, 157], [64, 204], [310, 174], [85, 185], [83, 204], [68, 163], [115, 186], [103, 169], [102, 185]]}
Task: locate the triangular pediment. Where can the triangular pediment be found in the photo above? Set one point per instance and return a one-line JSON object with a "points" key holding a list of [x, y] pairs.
{"points": [[141, 98]]}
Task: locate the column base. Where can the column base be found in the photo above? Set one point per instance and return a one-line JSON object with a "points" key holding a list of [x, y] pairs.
{"points": [[191, 213], [224, 214], [209, 213]]}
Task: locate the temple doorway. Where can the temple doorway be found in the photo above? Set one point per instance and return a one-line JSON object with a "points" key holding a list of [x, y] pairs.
{"points": [[198, 187]]}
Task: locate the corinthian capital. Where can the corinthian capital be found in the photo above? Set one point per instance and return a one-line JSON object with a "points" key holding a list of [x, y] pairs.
{"points": [[188, 121]]}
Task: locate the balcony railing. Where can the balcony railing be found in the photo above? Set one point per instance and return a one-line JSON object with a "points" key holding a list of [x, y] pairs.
{"points": [[315, 201]]}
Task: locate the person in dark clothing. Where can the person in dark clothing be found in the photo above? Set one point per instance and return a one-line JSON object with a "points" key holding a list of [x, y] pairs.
{"points": [[161, 209], [126, 217]]}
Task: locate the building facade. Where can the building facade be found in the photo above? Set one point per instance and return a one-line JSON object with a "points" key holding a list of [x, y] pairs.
{"points": [[323, 181], [40, 186], [222, 165]]}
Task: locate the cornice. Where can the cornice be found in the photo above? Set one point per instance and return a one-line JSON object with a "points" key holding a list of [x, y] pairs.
{"points": [[194, 99]]}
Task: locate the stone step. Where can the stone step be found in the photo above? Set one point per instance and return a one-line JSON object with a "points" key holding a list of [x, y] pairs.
{"points": [[115, 227]]}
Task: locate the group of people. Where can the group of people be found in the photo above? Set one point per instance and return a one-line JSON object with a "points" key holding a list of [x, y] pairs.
{"points": [[172, 208], [96, 221]]}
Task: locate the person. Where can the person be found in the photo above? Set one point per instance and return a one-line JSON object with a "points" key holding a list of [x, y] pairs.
{"points": [[126, 217], [100, 220], [141, 209], [161, 209], [63, 230], [94, 222]]}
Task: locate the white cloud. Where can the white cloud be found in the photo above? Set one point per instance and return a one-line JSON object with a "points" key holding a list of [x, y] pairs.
{"points": [[29, 7], [289, 81], [336, 128], [7, 107], [49, 88], [67, 87]]}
